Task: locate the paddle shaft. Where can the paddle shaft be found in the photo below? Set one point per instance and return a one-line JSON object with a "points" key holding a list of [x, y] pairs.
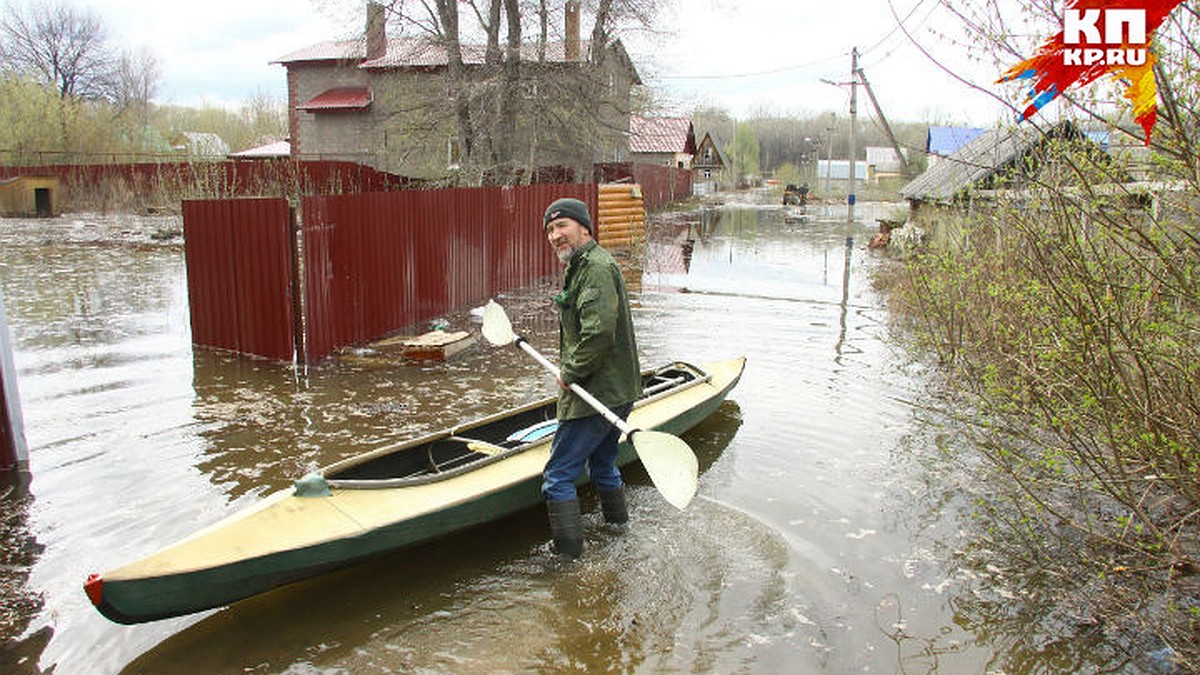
{"points": [[579, 391]]}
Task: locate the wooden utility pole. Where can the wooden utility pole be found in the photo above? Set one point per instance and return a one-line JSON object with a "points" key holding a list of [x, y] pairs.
{"points": [[887, 128]]}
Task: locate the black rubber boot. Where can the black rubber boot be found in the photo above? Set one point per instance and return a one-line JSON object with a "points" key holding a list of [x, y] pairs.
{"points": [[612, 503], [566, 527]]}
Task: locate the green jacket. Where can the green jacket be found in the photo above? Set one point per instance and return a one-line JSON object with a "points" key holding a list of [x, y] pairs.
{"points": [[595, 334]]}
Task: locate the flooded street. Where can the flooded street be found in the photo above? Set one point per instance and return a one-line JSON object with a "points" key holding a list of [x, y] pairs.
{"points": [[819, 540]]}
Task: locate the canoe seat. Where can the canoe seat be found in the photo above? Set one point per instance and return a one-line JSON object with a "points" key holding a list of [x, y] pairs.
{"points": [[482, 447], [657, 384]]}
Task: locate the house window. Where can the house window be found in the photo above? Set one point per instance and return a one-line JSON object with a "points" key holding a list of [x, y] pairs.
{"points": [[708, 156], [453, 153]]}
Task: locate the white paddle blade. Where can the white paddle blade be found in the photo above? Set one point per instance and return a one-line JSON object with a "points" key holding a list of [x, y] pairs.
{"points": [[670, 463], [497, 329]]}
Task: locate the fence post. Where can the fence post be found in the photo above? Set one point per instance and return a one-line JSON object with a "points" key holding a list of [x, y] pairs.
{"points": [[297, 280], [14, 454]]}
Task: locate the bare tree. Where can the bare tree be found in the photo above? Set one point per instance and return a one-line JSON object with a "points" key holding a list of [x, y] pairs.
{"points": [[600, 30], [135, 81], [62, 46], [447, 13], [490, 100]]}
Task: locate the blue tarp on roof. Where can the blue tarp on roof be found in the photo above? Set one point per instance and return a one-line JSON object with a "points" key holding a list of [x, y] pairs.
{"points": [[1100, 138], [945, 141]]}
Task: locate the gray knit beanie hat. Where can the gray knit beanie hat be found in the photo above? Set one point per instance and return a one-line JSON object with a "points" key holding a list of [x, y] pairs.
{"points": [[568, 208]]}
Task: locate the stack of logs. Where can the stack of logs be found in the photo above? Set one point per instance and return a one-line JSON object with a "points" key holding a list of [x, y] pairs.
{"points": [[621, 214]]}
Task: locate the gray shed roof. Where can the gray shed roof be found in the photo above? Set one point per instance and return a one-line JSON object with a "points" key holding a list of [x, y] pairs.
{"points": [[985, 155]]}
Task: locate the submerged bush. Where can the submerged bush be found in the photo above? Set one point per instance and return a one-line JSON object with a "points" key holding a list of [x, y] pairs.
{"points": [[1068, 315]]}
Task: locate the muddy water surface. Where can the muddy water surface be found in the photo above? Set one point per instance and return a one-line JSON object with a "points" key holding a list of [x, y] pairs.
{"points": [[817, 542]]}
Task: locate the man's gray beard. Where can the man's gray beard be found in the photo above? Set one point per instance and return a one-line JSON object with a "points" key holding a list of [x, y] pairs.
{"points": [[565, 256]]}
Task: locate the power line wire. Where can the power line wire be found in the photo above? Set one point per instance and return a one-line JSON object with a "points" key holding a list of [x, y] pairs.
{"points": [[898, 27], [816, 62]]}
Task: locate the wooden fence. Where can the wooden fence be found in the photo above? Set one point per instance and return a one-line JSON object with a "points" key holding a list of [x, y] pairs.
{"points": [[370, 263]]}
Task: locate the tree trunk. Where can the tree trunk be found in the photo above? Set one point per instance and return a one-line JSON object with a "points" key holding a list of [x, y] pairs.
{"points": [[600, 32], [456, 80], [510, 89]]}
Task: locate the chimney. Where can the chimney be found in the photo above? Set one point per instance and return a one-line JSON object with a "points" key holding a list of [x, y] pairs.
{"points": [[376, 30], [571, 44]]}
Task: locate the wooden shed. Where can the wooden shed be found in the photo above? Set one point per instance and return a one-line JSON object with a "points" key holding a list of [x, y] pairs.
{"points": [[30, 196], [998, 163]]}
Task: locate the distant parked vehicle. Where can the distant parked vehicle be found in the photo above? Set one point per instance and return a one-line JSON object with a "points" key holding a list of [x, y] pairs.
{"points": [[795, 196]]}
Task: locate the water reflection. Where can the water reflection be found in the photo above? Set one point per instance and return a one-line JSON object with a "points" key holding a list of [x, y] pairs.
{"points": [[19, 603], [268, 423]]}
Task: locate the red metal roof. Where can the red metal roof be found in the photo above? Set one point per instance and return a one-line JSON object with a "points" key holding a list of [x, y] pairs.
{"points": [[423, 52], [661, 134], [415, 52], [344, 98], [407, 52], [334, 50]]}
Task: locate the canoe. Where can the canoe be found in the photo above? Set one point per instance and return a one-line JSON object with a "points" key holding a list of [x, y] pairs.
{"points": [[382, 500]]}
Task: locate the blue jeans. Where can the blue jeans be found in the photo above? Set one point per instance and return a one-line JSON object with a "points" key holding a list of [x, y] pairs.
{"points": [[588, 440]]}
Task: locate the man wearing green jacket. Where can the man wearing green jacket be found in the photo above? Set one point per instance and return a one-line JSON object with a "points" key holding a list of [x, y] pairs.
{"points": [[598, 351]]}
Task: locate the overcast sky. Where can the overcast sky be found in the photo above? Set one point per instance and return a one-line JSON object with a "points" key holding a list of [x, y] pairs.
{"points": [[742, 55], [746, 55]]}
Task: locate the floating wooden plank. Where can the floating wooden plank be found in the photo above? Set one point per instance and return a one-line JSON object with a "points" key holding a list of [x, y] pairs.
{"points": [[434, 346]]}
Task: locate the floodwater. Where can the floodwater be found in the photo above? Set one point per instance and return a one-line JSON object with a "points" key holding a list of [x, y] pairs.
{"points": [[818, 542]]}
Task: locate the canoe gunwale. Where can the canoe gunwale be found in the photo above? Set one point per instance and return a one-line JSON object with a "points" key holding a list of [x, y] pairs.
{"points": [[461, 432]]}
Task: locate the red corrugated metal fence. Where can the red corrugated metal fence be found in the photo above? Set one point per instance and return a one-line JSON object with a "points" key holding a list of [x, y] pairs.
{"points": [[379, 262], [240, 275], [224, 178], [373, 263], [661, 185]]}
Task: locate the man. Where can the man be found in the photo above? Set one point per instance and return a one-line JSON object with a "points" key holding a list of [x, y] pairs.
{"points": [[598, 352]]}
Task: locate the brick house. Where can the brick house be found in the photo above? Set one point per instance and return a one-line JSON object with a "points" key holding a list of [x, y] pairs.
{"points": [[387, 103]]}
